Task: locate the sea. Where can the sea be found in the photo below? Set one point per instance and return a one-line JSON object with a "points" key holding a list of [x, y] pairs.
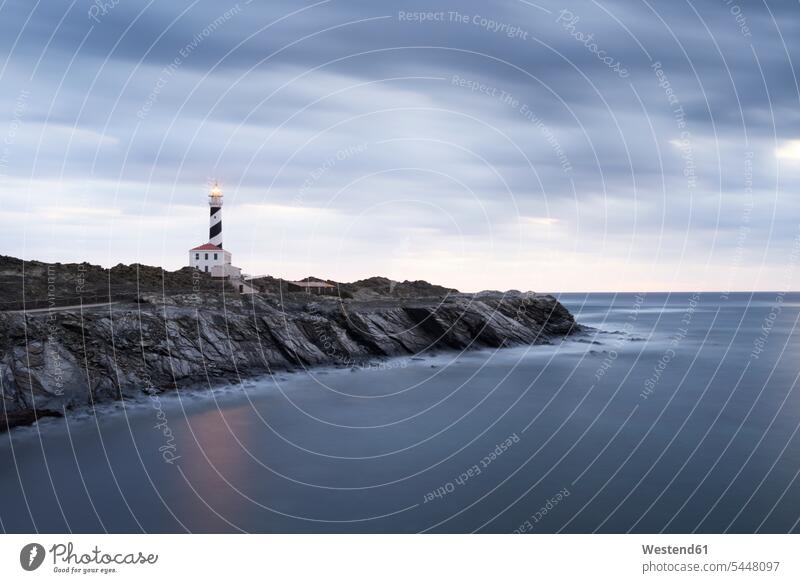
{"points": [[670, 412]]}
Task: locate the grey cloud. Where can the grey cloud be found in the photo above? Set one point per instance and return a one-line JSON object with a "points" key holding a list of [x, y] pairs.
{"points": [[164, 96]]}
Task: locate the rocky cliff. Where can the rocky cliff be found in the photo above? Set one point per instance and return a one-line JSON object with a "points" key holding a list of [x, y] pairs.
{"points": [[54, 360]]}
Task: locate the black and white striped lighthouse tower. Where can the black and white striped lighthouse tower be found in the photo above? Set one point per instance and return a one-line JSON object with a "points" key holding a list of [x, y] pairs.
{"points": [[215, 222]]}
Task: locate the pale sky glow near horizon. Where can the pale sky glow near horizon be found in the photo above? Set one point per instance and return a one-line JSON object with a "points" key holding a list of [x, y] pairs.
{"points": [[589, 146]]}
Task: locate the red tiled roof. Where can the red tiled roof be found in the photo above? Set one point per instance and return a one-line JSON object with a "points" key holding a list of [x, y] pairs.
{"points": [[206, 247]]}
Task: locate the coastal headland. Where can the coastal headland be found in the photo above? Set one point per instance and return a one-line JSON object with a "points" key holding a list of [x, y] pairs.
{"points": [[76, 335]]}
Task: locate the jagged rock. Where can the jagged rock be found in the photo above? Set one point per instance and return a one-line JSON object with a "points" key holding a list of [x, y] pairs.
{"points": [[61, 360]]}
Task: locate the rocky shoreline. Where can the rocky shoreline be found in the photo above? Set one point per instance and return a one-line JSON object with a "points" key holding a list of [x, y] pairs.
{"points": [[58, 360]]}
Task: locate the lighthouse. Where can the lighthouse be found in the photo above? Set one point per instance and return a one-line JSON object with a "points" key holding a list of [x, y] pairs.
{"points": [[215, 222], [210, 257]]}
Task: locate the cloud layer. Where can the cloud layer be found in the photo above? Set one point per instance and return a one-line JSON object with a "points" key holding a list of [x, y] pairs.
{"points": [[529, 145]]}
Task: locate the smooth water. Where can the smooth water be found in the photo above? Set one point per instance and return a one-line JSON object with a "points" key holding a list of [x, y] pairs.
{"points": [[677, 413]]}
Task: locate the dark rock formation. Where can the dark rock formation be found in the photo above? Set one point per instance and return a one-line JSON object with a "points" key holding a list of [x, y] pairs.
{"points": [[35, 284], [56, 360]]}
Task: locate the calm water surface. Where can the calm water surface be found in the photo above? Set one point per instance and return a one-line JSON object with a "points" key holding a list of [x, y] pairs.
{"points": [[676, 413]]}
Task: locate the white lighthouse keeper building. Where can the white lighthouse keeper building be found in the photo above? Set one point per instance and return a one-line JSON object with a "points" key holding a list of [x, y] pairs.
{"points": [[211, 259]]}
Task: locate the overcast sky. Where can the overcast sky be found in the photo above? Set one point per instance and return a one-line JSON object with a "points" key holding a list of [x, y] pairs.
{"points": [[614, 145]]}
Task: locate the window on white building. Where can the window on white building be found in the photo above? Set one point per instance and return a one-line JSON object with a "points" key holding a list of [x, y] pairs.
{"points": [[206, 258], [215, 255], [197, 256]]}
